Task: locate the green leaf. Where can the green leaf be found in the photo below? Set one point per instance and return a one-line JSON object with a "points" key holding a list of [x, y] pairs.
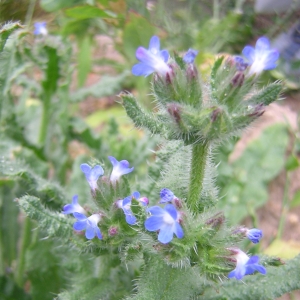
{"points": [[292, 163], [87, 12], [107, 86], [52, 71], [43, 268], [162, 282], [296, 200], [137, 32], [54, 223], [277, 281], [6, 31], [55, 5], [84, 58]]}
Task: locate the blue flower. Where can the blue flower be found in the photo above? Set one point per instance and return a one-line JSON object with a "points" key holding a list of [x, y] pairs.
{"points": [[245, 265], [254, 235], [73, 207], [164, 220], [151, 60], [40, 28], [92, 174], [166, 195], [262, 57], [190, 56], [119, 168], [90, 224], [126, 203], [240, 63]]}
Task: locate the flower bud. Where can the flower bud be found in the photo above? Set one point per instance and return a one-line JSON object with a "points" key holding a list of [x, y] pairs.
{"points": [[216, 221], [238, 79], [113, 231], [215, 113], [175, 111], [258, 111]]}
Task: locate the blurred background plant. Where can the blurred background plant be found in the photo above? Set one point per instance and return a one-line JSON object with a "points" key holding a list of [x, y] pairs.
{"points": [[58, 109]]}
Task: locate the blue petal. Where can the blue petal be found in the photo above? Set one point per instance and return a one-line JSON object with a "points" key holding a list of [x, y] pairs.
{"points": [[178, 230], [113, 161], [262, 44], [145, 56], [154, 44], [90, 233], [130, 219], [164, 55], [124, 167], [156, 210], [79, 225], [154, 223], [96, 172], [249, 53], [166, 195], [190, 56], [98, 233], [126, 201], [270, 62], [75, 199], [136, 195], [170, 208], [165, 234], [253, 260], [79, 216], [142, 69], [231, 274], [86, 169], [68, 209], [261, 269]]}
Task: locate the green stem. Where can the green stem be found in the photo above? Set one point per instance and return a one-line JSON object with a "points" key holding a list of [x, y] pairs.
{"points": [[29, 12], [216, 9], [44, 120], [198, 163], [285, 206], [25, 242]]}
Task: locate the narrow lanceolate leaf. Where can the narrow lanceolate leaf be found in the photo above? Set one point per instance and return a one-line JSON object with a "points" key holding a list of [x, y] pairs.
{"points": [[161, 282], [50, 193], [6, 31], [267, 95], [277, 281], [140, 117], [54, 223]]}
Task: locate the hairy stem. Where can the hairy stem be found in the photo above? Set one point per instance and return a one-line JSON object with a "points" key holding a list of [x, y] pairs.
{"points": [[285, 206], [44, 120], [25, 242], [198, 163]]}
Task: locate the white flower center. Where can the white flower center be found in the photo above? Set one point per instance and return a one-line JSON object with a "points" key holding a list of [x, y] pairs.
{"points": [[168, 219]]}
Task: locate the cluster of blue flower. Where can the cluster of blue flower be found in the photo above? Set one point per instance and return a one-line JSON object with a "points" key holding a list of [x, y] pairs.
{"points": [[166, 219], [260, 58]]}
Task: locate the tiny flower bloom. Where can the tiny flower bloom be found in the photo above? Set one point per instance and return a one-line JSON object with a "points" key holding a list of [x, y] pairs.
{"points": [[92, 174], [151, 60], [166, 195], [129, 216], [73, 207], [245, 265], [190, 56], [254, 235], [119, 168], [262, 57], [126, 203], [90, 224], [164, 220], [240, 63], [40, 28]]}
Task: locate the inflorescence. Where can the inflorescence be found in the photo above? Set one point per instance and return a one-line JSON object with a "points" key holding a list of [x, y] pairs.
{"points": [[167, 218]]}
